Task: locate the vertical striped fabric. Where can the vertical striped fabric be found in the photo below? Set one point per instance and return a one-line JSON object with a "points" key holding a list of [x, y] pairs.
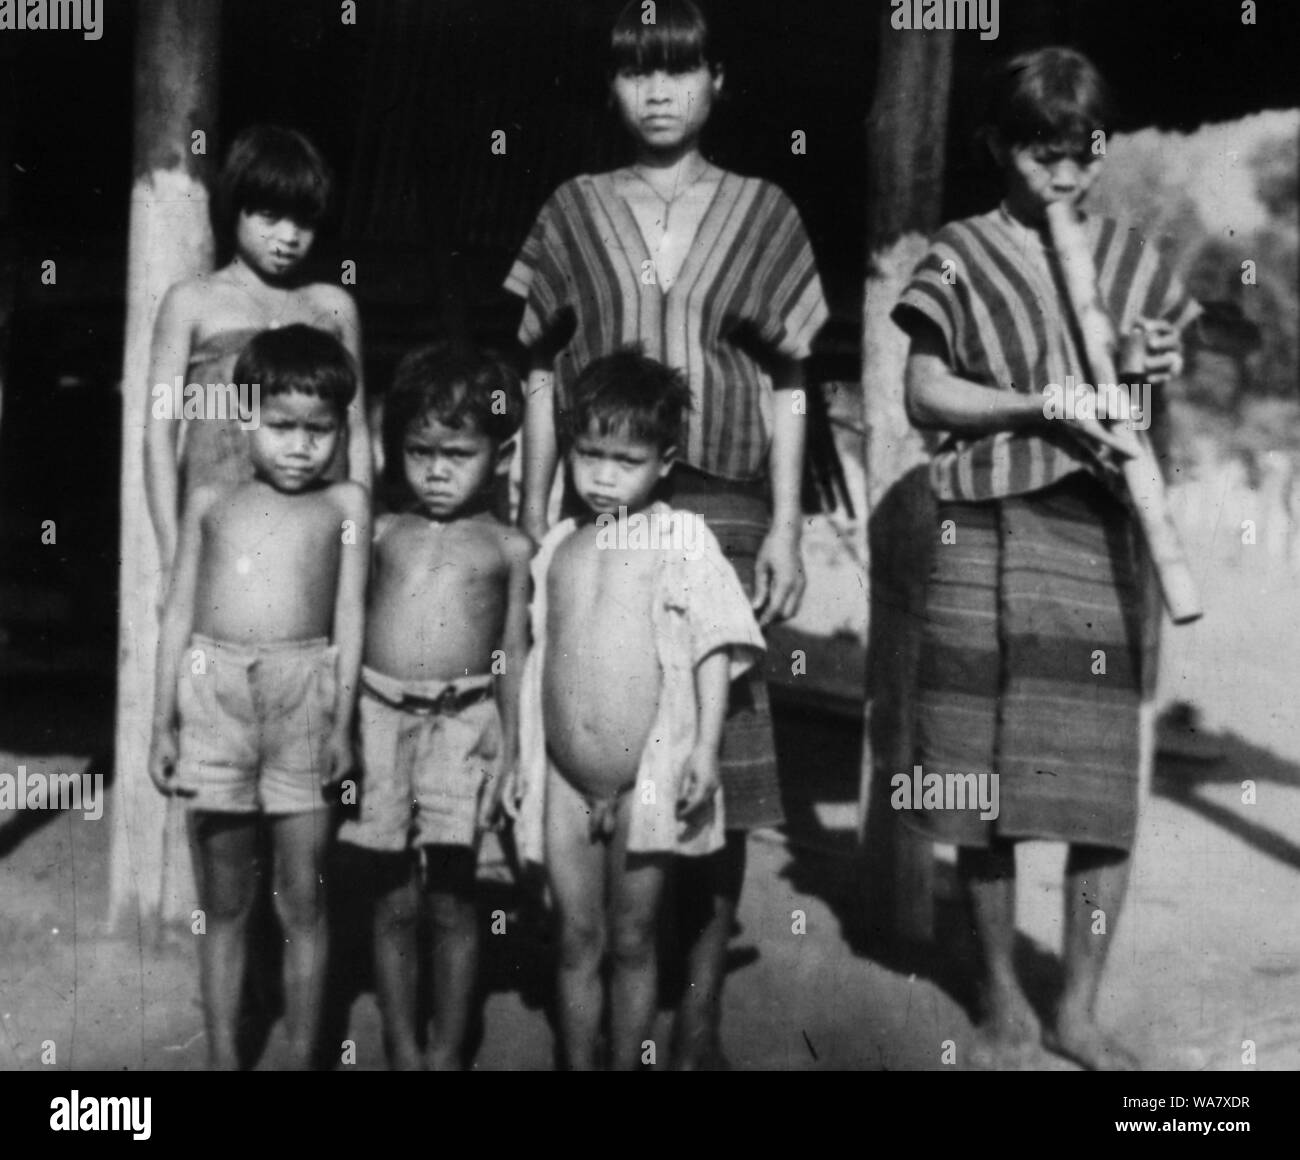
{"points": [[1031, 666], [989, 285], [740, 518], [749, 284]]}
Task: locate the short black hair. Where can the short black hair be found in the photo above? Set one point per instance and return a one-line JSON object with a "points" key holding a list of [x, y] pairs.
{"points": [[677, 40], [1051, 95], [630, 394], [273, 169], [458, 385], [299, 360]]}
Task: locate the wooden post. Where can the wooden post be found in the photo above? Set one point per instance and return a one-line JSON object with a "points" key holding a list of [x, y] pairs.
{"points": [[176, 72], [906, 137], [8, 234]]}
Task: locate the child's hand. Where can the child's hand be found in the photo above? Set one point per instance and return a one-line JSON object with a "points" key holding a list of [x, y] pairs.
{"points": [[512, 793], [700, 783], [499, 803], [340, 759], [489, 802], [163, 754], [779, 579]]}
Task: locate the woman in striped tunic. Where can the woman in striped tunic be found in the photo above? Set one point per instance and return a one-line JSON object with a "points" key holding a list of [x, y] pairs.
{"points": [[1039, 598], [712, 274]]}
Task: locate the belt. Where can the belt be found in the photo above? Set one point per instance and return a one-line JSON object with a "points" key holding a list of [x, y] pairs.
{"points": [[451, 699]]}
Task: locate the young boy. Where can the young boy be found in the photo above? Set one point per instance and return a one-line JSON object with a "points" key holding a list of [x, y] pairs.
{"points": [[1045, 572], [639, 627], [257, 664], [446, 636]]}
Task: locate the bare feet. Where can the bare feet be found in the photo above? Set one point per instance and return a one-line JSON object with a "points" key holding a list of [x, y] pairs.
{"points": [[1008, 1039], [399, 1061], [441, 1059], [706, 1059], [991, 1052], [1082, 1040], [699, 1051], [403, 1054]]}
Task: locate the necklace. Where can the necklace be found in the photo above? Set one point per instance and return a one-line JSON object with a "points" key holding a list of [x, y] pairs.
{"points": [[679, 191]]}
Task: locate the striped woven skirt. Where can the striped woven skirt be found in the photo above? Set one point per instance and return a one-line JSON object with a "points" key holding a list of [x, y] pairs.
{"points": [[1032, 663], [740, 516]]}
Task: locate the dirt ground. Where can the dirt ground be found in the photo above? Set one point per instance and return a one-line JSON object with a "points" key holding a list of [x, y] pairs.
{"points": [[1206, 961]]}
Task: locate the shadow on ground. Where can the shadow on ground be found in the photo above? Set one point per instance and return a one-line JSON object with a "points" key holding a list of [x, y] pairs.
{"points": [[819, 759], [1182, 780]]}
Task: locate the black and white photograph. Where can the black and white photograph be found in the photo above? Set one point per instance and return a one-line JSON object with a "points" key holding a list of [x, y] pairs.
{"points": [[650, 535]]}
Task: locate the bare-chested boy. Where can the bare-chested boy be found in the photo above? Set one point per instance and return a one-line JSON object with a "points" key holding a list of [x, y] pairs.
{"points": [[257, 666], [446, 637], [639, 627]]}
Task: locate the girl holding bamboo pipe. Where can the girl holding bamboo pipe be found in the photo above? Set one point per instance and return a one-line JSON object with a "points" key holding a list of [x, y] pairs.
{"points": [[1040, 614]]}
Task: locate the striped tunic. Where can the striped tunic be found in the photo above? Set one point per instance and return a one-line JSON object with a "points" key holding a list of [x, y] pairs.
{"points": [[987, 284], [748, 288]]}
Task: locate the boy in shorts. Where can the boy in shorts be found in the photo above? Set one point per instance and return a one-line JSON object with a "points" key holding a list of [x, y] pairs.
{"points": [[257, 665], [445, 641], [639, 627]]}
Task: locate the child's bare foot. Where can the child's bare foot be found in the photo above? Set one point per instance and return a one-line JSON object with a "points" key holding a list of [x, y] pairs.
{"points": [[1000, 1046], [697, 1045], [405, 1059], [1009, 1037], [703, 1055], [1090, 1046], [991, 1052], [401, 1051], [441, 1059], [1011, 1018]]}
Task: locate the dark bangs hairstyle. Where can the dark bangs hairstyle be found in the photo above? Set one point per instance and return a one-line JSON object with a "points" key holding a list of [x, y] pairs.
{"points": [[459, 386], [273, 169], [631, 395], [299, 360], [677, 41], [1052, 96]]}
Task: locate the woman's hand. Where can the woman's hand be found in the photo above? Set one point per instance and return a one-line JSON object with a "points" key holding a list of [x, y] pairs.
{"points": [[1164, 350], [779, 580], [1079, 411]]}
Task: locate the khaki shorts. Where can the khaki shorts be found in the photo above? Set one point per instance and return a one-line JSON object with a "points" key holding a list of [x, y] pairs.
{"points": [[429, 752], [255, 722]]}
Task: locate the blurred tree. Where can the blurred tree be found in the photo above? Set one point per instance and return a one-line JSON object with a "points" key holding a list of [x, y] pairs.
{"points": [[1277, 176]]}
